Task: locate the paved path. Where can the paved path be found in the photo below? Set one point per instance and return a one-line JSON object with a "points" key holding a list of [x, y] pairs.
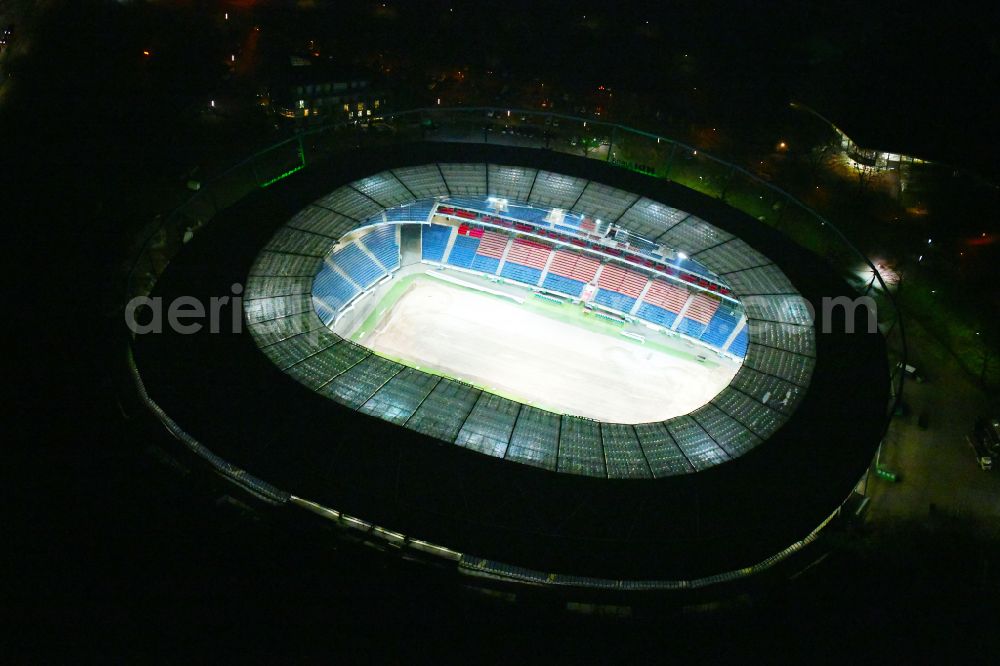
{"points": [[936, 465]]}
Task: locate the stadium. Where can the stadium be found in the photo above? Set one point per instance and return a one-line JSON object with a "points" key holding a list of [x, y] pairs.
{"points": [[536, 366]]}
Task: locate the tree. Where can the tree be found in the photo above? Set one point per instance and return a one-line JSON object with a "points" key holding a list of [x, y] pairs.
{"points": [[819, 157], [866, 173], [588, 145]]}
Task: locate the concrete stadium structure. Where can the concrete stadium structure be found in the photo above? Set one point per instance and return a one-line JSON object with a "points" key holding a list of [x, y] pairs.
{"points": [[289, 311], [297, 415]]}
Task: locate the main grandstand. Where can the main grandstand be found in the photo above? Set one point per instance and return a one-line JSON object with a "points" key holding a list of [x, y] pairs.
{"points": [[304, 413]]}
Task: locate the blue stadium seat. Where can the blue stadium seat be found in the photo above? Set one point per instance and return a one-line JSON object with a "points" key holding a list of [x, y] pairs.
{"points": [[474, 203], [720, 327], [418, 211], [521, 273], [435, 239], [562, 284], [357, 265], [334, 290], [692, 266], [691, 327], [324, 312], [463, 251], [656, 315], [740, 343], [485, 264], [382, 243], [533, 215], [614, 300]]}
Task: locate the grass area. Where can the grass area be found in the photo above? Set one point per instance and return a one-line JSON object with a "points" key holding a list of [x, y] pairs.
{"points": [[395, 292], [945, 318]]}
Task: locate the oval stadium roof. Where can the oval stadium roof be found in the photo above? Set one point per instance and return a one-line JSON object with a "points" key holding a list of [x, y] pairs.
{"points": [[764, 393]]}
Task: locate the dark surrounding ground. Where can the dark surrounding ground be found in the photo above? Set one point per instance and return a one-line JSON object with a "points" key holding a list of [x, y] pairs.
{"points": [[107, 552]]}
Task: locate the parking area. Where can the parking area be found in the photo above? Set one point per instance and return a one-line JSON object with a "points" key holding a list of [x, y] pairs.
{"points": [[937, 469]]}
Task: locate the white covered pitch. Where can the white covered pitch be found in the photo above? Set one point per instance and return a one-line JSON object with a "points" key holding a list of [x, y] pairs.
{"points": [[508, 349]]}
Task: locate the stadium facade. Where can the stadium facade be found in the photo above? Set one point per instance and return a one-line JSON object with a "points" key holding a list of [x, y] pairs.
{"points": [[301, 417]]}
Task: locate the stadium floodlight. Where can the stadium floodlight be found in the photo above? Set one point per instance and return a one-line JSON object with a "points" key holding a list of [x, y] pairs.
{"points": [[681, 255]]}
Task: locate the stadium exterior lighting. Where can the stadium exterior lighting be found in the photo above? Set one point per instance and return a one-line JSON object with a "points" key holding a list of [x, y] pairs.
{"points": [[887, 272]]}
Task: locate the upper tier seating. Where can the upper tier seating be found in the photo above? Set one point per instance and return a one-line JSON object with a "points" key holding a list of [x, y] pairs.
{"points": [[382, 242], [357, 265], [418, 211], [435, 239], [331, 291]]}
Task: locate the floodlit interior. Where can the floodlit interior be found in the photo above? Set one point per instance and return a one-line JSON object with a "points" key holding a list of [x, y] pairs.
{"points": [[619, 338]]}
